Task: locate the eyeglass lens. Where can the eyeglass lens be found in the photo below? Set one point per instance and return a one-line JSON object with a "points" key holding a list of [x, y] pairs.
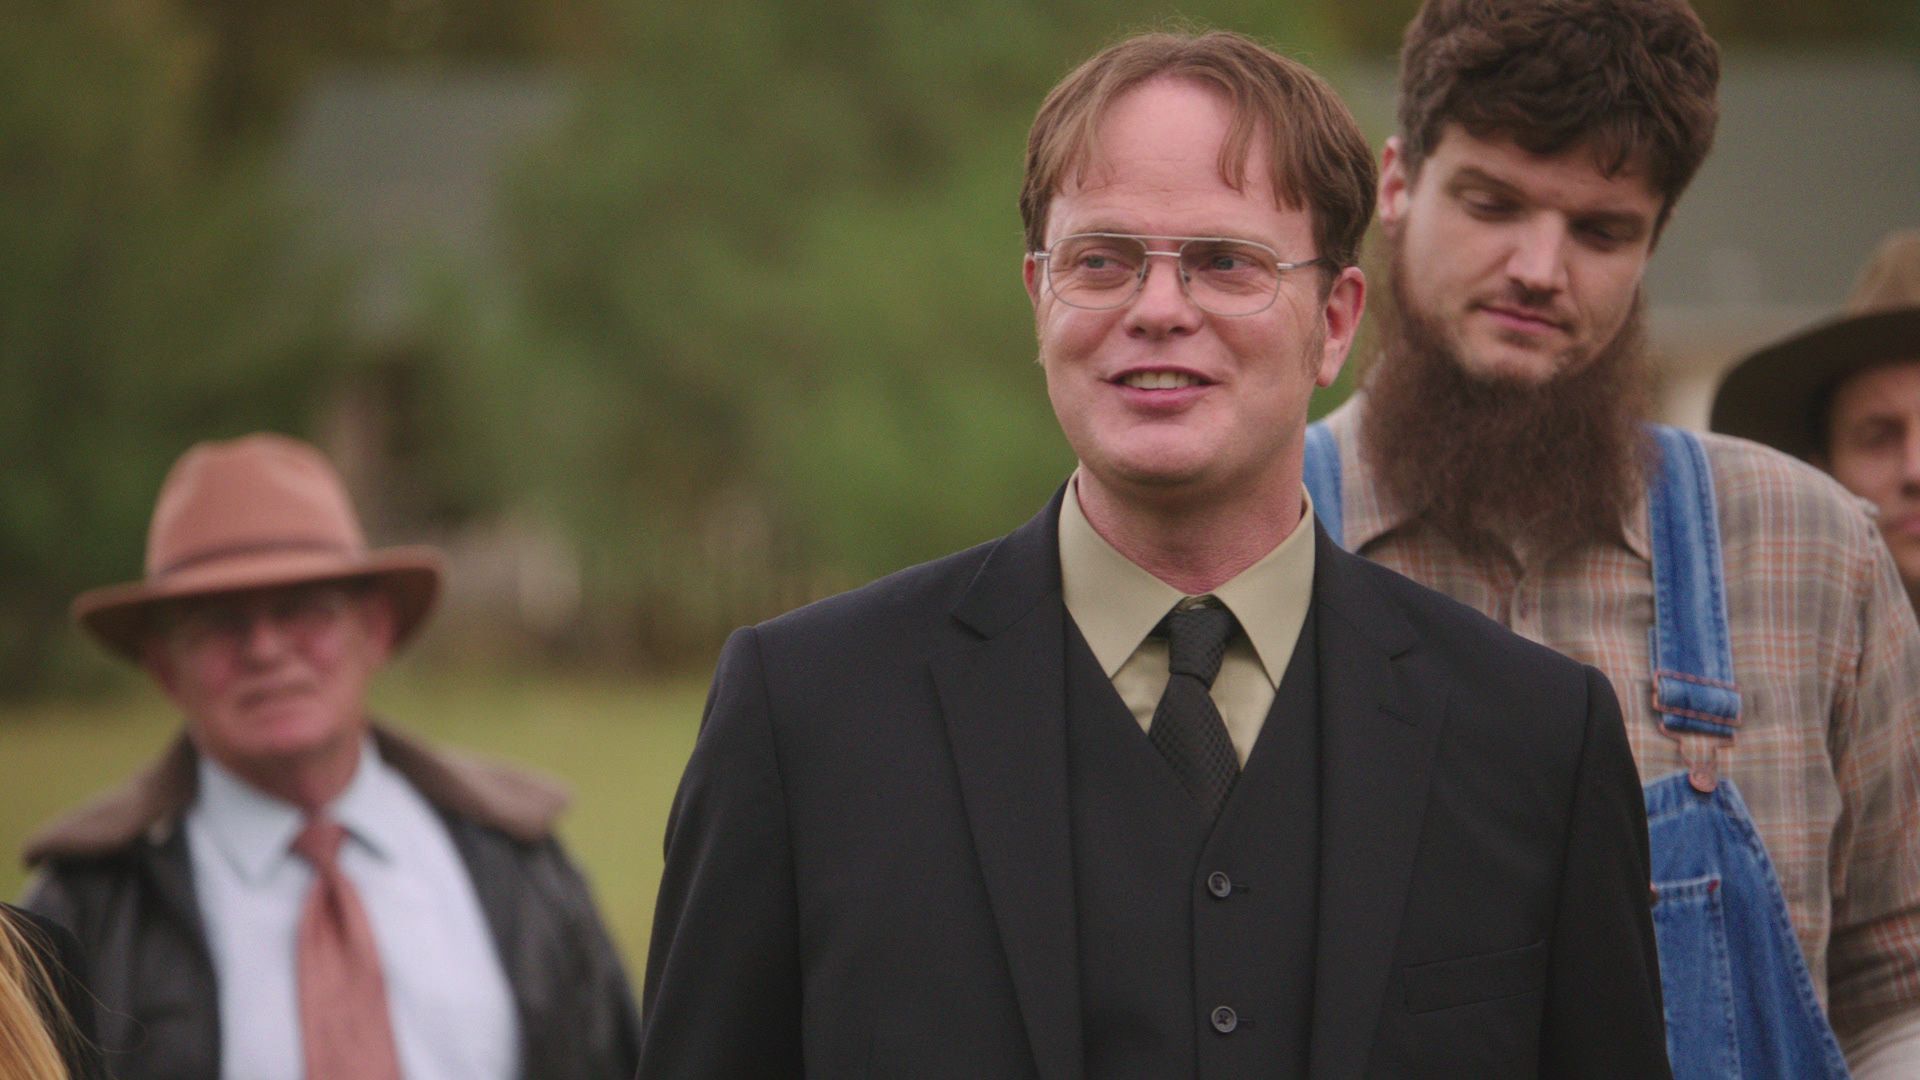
{"points": [[1224, 277], [302, 612]]}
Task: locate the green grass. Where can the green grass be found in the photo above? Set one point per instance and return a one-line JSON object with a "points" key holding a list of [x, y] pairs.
{"points": [[620, 746]]}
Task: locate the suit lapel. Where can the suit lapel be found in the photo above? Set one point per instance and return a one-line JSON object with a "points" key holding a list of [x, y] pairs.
{"points": [[1380, 720], [1005, 704]]}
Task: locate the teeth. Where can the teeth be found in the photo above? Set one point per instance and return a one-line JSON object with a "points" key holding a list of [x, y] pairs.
{"points": [[1159, 380]]}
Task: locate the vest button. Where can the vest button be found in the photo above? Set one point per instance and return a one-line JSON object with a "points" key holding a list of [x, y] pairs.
{"points": [[1220, 885], [1225, 1020]]}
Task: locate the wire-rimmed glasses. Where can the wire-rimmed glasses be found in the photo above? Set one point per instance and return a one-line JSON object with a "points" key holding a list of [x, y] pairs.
{"points": [[224, 622], [1221, 275]]}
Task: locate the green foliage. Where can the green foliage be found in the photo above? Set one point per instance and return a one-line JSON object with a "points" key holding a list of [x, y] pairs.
{"points": [[145, 302], [1799, 24], [757, 332], [765, 319]]}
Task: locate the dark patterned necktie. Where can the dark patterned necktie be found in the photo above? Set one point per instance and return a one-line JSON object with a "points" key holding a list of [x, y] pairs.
{"points": [[1186, 728]]}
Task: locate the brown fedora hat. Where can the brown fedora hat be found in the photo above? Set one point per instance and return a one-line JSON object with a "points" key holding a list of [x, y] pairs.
{"points": [[1777, 395], [258, 511]]}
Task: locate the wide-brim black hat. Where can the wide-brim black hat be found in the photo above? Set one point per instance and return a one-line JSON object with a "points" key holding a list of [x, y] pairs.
{"points": [[1777, 395]]}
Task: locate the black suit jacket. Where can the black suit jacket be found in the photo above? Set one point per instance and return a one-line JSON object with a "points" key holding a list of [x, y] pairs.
{"points": [[869, 870]]}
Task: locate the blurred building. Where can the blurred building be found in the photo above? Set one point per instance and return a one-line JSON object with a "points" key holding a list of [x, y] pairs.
{"points": [[404, 173]]}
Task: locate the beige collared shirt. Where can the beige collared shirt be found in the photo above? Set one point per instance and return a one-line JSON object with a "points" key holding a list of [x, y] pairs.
{"points": [[1117, 604]]}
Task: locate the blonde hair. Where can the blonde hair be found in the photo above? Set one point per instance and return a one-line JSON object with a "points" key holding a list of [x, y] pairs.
{"points": [[29, 1049]]}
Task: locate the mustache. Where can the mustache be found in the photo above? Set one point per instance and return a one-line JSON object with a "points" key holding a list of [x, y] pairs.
{"points": [[1538, 304], [278, 688]]}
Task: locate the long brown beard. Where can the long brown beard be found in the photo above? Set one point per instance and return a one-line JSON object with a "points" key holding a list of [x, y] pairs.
{"points": [[1500, 466]]}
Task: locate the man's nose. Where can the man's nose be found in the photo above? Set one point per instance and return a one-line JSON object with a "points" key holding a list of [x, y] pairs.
{"points": [[1537, 261], [1910, 458], [262, 635], [1162, 305]]}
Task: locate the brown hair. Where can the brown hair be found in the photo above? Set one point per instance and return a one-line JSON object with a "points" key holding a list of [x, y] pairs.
{"points": [[1320, 159], [1635, 81]]}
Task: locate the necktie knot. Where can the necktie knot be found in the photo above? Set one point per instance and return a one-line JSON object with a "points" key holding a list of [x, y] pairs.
{"points": [[319, 843], [1197, 640]]}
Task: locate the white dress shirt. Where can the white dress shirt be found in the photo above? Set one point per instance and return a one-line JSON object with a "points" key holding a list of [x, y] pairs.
{"points": [[452, 1009]]}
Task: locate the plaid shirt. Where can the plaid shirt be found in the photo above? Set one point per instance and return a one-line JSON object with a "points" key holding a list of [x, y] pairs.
{"points": [[1826, 655]]}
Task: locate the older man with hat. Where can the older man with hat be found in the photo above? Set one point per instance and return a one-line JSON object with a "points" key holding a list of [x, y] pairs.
{"points": [[1845, 395], [293, 890]]}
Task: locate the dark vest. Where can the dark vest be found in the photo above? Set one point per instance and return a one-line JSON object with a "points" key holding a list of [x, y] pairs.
{"points": [[1196, 940]]}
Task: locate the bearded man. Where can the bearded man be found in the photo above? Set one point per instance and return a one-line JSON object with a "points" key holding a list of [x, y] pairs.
{"points": [[1741, 604]]}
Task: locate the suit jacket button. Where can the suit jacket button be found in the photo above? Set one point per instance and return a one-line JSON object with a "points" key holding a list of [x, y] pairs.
{"points": [[1220, 885], [1225, 1020]]}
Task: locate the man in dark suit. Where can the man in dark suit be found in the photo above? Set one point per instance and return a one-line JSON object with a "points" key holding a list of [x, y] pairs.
{"points": [[1163, 783]]}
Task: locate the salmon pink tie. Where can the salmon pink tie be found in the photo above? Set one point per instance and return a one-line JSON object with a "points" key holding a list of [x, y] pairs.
{"points": [[345, 1032]]}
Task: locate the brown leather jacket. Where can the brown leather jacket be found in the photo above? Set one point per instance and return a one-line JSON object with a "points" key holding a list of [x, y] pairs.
{"points": [[116, 873]]}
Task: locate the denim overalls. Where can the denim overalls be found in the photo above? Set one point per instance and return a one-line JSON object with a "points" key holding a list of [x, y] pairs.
{"points": [[1739, 1000]]}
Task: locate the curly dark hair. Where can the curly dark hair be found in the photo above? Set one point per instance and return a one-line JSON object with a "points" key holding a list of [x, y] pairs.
{"points": [[1635, 81]]}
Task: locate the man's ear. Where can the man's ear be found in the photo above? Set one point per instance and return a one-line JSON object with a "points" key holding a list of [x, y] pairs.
{"points": [[1030, 273], [158, 662], [1346, 300], [379, 618], [1396, 185]]}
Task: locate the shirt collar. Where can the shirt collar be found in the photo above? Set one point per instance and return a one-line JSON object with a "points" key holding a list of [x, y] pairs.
{"points": [[368, 807], [1371, 512], [1368, 511], [254, 831], [1116, 604], [1636, 532]]}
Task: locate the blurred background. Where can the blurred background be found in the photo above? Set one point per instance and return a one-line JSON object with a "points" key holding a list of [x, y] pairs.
{"points": [[659, 318]]}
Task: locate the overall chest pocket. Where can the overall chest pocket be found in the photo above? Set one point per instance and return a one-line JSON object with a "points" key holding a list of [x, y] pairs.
{"points": [[1696, 977]]}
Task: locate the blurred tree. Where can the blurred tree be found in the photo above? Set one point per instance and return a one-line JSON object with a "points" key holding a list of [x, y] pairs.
{"points": [[145, 301], [1799, 24], [765, 322], [759, 334]]}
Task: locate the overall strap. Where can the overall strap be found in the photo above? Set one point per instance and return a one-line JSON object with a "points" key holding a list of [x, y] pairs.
{"points": [[1321, 471], [1693, 688], [1689, 642]]}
